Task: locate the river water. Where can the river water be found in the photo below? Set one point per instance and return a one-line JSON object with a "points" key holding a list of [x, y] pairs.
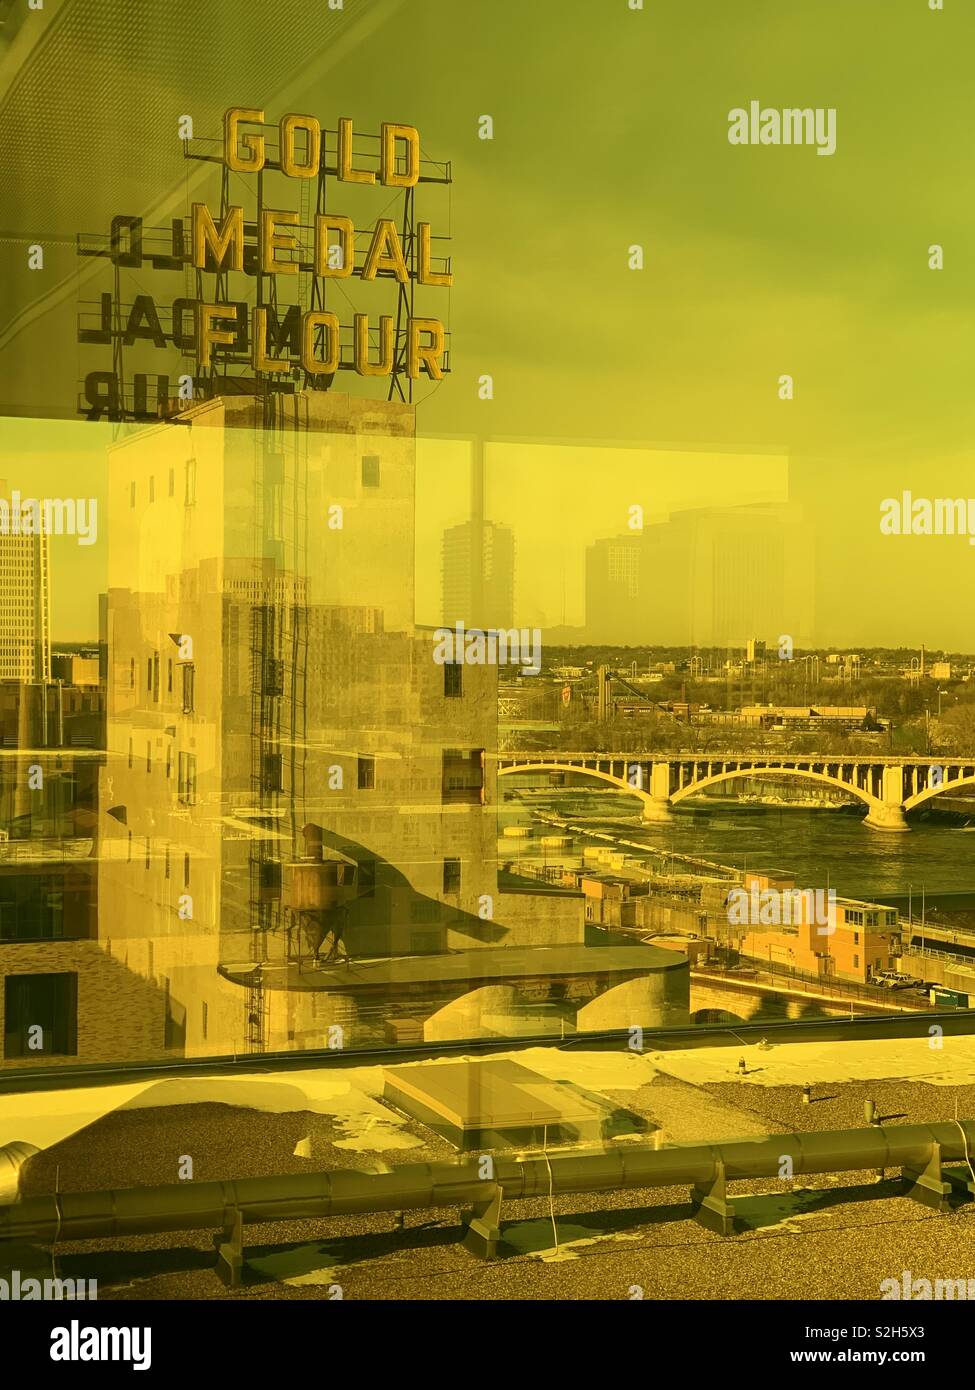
{"points": [[817, 846]]}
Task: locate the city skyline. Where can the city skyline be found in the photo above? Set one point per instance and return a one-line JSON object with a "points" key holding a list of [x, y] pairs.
{"points": [[897, 576]]}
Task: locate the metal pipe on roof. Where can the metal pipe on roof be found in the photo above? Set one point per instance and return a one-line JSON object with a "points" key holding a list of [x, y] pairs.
{"points": [[13, 1158], [299, 1197]]}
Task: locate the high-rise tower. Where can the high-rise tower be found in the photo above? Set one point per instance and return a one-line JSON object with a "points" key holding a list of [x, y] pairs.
{"points": [[25, 606]]}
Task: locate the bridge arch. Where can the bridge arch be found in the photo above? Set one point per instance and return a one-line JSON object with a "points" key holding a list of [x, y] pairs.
{"points": [[919, 798], [619, 782], [703, 1017], [885, 804], [805, 773]]}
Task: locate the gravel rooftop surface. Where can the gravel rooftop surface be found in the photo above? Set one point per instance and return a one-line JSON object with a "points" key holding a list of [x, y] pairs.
{"points": [[828, 1237]]}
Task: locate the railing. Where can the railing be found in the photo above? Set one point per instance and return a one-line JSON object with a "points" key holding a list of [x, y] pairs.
{"points": [[723, 755], [829, 984], [544, 873], [889, 1001], [923, 925], [949, 956]]}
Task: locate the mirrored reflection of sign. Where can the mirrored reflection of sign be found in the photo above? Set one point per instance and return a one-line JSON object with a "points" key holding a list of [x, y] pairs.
{"points": [[251, 310]]}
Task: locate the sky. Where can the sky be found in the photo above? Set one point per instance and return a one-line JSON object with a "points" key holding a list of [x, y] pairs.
{"points": [[609, 384]]}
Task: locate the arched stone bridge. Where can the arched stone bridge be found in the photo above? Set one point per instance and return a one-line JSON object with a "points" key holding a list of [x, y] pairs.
{"points": [[888, 787]]}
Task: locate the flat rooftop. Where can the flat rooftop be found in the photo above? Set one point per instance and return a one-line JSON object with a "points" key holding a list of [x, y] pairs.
{"points": [[828, 1237], [471, 968]]}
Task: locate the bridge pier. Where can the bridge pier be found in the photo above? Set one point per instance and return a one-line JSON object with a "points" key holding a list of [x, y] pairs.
{"points": [[888, 814], [656, 806], [657, 999], [465, 1016], [882, 817]]}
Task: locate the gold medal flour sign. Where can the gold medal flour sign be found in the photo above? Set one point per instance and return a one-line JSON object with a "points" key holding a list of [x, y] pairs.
{"points": [[271, 340]]}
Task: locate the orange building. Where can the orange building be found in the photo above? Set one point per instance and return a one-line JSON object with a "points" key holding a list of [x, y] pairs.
{"points": [[814, 932]]}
